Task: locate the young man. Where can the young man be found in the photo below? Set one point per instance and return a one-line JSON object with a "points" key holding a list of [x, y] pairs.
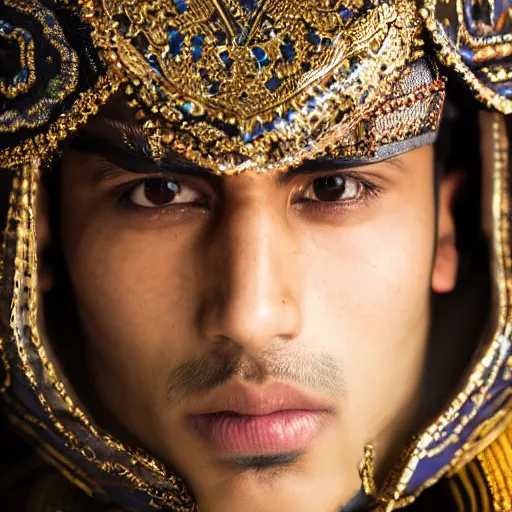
{"points": [[226, 225]]}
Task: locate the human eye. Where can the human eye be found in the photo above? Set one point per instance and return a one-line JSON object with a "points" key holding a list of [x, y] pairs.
{"points": [[340, 189], [161, 192]]}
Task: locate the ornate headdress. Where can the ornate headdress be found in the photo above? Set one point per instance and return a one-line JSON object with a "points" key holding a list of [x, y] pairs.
{"points": [[238, 85]]}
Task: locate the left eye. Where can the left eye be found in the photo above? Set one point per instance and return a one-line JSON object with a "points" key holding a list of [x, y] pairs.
{"points": [[158, 192], [335, 187]]}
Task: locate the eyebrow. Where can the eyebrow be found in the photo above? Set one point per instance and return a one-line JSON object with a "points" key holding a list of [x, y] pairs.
{"points": [[113, 147]]}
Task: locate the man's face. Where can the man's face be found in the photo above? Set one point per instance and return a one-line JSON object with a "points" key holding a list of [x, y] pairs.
{"points": [[255, 332]]}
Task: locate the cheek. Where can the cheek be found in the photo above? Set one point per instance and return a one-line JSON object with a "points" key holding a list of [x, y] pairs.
{"points": [[367, 302], [133, 294], [380, 267]]}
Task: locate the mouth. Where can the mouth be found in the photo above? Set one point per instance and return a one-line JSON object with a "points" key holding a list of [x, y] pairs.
{"points": [[255, 421]]}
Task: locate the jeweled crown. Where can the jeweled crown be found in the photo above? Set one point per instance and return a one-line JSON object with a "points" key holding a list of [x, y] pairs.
{"points": [[236, 85]]}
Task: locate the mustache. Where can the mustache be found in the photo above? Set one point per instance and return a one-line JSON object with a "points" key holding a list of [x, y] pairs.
{"points": [[316, 371]]}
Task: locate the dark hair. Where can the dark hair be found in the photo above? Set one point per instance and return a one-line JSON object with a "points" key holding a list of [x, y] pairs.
{"points": [[458, 148]]}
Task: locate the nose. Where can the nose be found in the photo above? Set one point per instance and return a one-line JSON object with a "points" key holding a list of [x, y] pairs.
{"points": [[251, 286]]}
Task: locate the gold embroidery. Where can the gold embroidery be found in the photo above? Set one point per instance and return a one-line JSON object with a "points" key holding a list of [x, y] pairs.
{"points": [[43, 146], [258, 101], [58, 87], [27, 64], [496, 461], [485, 48]]}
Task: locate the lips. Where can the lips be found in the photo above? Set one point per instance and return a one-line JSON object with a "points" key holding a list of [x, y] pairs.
{"points": [[278, 418]]}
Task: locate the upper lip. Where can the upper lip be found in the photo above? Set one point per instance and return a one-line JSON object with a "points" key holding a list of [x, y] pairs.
{"points": [[238, 398]]}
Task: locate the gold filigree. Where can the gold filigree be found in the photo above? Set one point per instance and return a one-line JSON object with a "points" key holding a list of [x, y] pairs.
{"points": [[449, 52], [497, 74], [58, 87], [27, 62], [260, 98], [45, 145], [489, 52]]}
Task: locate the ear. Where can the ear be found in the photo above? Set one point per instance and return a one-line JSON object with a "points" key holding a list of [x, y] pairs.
{"points": [[43, 238], [444, 274]]}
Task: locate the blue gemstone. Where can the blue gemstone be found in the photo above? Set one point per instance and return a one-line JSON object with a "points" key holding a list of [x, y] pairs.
{"points": [[21, 76], [326, 41], [506, 91], [197, 53], [312, 104], [505, 88], [50, 21], [268, 127], [290, 115], [153, 62], [214, 88], [261, 56], [250, 136], [313, 38], [181, 6], [175, 40], [451, 31], [257, 131], [187, 107], [288, 51], [273, 84], [5, 28], [224, 57], [501, 8], [197, 43], [345, 13], [249, 5], [466, 54]]}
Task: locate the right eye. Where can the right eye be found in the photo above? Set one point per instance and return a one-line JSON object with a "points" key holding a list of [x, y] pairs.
{"points": [[160, 192]]}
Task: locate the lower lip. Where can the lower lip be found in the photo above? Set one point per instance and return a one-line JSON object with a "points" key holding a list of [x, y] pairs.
{"points": [[281, 431]]}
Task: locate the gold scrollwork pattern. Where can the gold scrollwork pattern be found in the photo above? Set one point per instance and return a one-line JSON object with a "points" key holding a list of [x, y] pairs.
{"points": [[263, 94], [58, 87]]}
